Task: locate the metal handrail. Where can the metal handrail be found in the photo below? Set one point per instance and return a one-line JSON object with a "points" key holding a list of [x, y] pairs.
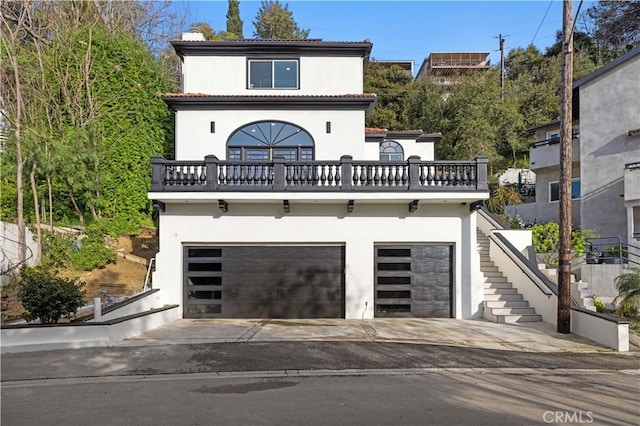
{"points": [[543, 283], [610, 248], [147, 278]]}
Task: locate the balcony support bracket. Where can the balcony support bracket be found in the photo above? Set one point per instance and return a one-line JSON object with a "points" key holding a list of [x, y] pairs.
{"points": [[413, 206], [286, 206], [223, 205], [350, 205], [158, 206]]}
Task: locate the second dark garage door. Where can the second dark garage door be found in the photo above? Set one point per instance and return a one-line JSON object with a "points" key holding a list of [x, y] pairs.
{"points": [[414, 281], [264, 282]]}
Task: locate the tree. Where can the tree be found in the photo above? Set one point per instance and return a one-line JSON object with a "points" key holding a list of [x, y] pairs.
{"points": [[15, 19], [234, 23], [82, 112], [207, 31], [275, 21], [614, 25], [392, 85]]}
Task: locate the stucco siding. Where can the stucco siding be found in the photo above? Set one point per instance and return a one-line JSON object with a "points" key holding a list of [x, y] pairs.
{"points": [[609, 107], [194, 139], [317, 76], [309, 224]]}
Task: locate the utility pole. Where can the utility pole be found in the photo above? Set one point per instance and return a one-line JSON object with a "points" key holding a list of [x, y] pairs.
{"points": [[566, 124], [501, 65]]}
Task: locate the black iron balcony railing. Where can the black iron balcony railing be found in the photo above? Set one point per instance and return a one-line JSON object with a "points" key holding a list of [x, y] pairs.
{"points": [[575, 134], [328, 176]]}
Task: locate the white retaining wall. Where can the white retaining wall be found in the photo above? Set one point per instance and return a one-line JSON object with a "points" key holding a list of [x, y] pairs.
{"points": [[73, 336], [603, 329]]}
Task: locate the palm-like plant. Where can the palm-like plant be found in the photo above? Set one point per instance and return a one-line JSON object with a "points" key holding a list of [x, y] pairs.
{"points": [[629, 292]]}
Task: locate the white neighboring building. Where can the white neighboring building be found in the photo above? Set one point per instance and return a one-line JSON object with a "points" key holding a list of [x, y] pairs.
{"points": [[281, 205]]}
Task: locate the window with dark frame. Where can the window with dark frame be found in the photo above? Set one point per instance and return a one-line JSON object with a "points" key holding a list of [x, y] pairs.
{"points": [[265, 140], [554, 190], [391, 151], [273, 74]]}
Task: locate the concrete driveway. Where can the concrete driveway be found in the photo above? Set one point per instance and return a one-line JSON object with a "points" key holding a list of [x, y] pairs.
{"points": [[529, 337]]}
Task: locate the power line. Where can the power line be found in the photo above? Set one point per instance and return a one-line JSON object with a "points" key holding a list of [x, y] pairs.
{"points": [[576, 18], [541, 22]]}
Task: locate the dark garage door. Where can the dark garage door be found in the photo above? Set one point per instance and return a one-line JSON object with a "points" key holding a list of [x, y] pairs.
{"points": [[264, 282], [414, 281]]}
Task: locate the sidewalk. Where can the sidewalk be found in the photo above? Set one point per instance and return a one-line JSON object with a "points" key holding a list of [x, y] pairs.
{"points": [[526, 337], [284, 347]]}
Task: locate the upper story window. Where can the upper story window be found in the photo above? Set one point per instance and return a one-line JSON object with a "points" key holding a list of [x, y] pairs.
{"points": [[273, 74], [391, 151], [554, 190], [264, 140], [553, 135]]}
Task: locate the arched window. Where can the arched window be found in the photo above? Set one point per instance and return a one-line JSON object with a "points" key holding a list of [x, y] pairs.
{"points": [[265, 140], [391, 151]]}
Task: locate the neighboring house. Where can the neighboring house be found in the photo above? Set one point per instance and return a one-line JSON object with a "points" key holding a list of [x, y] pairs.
{"points": [[544, 161], [447, 68], [281, 205], [605, 154], [405, 65]]}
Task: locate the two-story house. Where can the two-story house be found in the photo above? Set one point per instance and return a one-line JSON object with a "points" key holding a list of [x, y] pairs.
{"points": [[605, 155], [280, 204]]}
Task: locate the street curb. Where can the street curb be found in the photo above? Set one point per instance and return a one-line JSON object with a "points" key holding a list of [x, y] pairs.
{"points": [[278, 374]]}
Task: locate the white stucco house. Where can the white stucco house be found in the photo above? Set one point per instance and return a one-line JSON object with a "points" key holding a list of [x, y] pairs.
{"points": [[280, 204]]}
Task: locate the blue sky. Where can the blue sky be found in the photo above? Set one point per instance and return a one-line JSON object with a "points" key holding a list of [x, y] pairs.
{"points": [[409, 30]]}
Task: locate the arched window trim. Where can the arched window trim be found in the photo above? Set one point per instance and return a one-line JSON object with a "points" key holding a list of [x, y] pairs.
{"points": [[267, 146], [391, 150]]}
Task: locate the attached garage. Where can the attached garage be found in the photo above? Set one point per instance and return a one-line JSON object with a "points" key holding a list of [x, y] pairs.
{"points": [[414, 281], [264, 282]]}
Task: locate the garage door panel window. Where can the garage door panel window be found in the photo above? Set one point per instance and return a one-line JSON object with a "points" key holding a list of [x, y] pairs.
{"points": [[201, 310], [211, 253], [394, 266], [205, 267]]}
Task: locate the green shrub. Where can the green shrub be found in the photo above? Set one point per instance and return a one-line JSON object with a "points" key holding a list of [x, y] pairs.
{"points": [[57, 250], [60, 251], [616, 251], [48, 297], [600, 306], [93, 255], [628, 286], [546, 238]]}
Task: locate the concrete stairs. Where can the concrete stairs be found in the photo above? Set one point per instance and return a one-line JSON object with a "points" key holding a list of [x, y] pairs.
{"points": [[502, 302], [581, 293]]}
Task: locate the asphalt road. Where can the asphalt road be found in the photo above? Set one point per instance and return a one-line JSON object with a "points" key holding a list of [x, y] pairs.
{"points": [[317, 383], [383, 398]]}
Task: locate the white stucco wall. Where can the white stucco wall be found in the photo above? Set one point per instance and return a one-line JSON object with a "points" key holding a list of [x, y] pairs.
{"points": [[410, 147], [227, 75], [308, 224], [194, 139]]}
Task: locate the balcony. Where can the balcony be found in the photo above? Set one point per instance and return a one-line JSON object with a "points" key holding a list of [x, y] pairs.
{"points": [[343, 176], [632, 182], [546, 153]]}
